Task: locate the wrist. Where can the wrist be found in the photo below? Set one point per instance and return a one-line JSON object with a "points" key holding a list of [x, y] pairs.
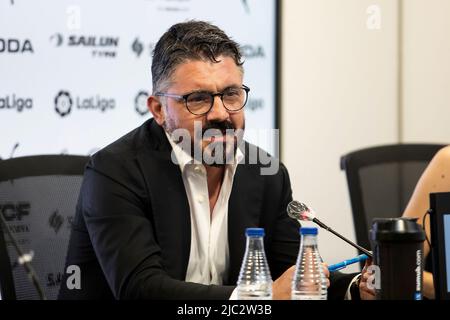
{"points": [[354, 288]]}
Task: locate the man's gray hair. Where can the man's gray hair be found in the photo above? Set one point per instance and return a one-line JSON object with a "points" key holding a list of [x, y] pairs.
{"points": [[192, 40]]}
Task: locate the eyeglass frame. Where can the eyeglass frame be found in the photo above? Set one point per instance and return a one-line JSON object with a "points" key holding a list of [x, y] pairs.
{"points": [[213, 95]]}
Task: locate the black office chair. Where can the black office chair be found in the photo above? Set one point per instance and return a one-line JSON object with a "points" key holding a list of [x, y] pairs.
{"points": [[38, 196], [381, 181]]}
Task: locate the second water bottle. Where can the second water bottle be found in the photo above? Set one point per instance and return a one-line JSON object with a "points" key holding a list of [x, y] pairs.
{"points": [[309, 282]]}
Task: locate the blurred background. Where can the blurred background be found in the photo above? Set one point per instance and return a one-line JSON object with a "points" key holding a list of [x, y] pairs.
{"points": [[355, 74]]}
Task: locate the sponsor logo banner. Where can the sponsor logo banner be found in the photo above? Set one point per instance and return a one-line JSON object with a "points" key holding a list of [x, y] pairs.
{"points": [[65, 103]]}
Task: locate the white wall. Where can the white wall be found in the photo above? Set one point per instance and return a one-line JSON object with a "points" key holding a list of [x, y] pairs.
{"points": [[426, 71], [339, 93]]}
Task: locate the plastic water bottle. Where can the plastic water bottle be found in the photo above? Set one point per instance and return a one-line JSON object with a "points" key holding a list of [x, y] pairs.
{"points": [[255, 282], [309, 282]]}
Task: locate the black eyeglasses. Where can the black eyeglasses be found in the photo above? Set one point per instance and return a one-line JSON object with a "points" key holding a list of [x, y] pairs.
{"points": [[201, 102]]}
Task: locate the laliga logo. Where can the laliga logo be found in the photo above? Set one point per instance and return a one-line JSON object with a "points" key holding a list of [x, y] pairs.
{"points": [[13, 102], [140, 103], [63, 103]]}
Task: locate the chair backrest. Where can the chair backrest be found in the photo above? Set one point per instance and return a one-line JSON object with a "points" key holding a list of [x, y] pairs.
{"points": [[38, 197], [381, 181]]}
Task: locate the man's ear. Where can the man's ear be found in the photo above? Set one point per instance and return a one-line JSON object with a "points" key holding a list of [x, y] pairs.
{"points": [[156, 108]]}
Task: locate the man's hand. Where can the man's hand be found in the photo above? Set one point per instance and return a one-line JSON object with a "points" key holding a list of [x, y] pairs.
{"points": [[327, 273], [281, 289], [364, 292]]}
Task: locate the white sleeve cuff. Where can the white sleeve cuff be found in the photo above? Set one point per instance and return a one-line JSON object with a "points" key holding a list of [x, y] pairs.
{"points": [[348, 295], [233, 295]]}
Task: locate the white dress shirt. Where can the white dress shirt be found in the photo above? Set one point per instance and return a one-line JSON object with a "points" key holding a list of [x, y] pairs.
{"points": [[209, 253]]}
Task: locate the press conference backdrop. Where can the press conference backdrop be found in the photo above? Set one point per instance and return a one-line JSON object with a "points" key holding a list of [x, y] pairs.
{"points": [[75, 75]]}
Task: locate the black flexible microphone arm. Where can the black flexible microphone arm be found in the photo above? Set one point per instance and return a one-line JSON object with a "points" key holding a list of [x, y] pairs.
{"points": [[322, 225], [300, 211], [24, 260]]}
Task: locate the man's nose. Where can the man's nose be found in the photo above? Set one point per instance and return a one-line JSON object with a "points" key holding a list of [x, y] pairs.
{"points": [[218, 111]]}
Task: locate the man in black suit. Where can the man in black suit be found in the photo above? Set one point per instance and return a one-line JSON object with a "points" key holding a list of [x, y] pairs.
{"points": [[154, 219]]}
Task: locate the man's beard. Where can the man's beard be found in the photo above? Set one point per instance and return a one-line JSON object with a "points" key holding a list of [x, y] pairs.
{"points": [[215, 153], [221, 152]]}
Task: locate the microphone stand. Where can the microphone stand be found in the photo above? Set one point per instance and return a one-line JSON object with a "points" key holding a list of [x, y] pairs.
{"points": [[24, 259], [324, 226]]}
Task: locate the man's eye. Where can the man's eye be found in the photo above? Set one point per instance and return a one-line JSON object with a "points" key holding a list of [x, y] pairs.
{"points": [[232, 92], [199, 97]]}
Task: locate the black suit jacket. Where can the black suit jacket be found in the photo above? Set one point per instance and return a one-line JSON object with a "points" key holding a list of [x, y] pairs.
{"points": [[131, 233]]}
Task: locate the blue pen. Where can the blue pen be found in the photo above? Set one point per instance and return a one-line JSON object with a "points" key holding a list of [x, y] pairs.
{"points": [[343, 264]]}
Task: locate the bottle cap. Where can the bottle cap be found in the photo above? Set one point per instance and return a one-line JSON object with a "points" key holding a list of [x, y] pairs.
{"points": [[254, 232], [308, 231], [396, 229]]}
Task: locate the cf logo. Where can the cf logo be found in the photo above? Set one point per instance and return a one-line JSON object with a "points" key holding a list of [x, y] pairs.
{"points": [[12, 211]]}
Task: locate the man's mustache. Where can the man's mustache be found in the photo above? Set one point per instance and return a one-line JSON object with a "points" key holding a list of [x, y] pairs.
{"points": [[222, 126]]}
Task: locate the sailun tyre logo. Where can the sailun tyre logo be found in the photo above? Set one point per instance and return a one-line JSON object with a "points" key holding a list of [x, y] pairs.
{"points": [[63, 103], [98, 46], [57, 39]]}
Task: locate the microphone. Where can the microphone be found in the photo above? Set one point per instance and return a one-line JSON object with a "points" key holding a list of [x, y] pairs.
{"points": [[301, 212]]}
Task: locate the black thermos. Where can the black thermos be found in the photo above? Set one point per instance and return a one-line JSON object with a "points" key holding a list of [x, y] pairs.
{"points": [[397, 245]]}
